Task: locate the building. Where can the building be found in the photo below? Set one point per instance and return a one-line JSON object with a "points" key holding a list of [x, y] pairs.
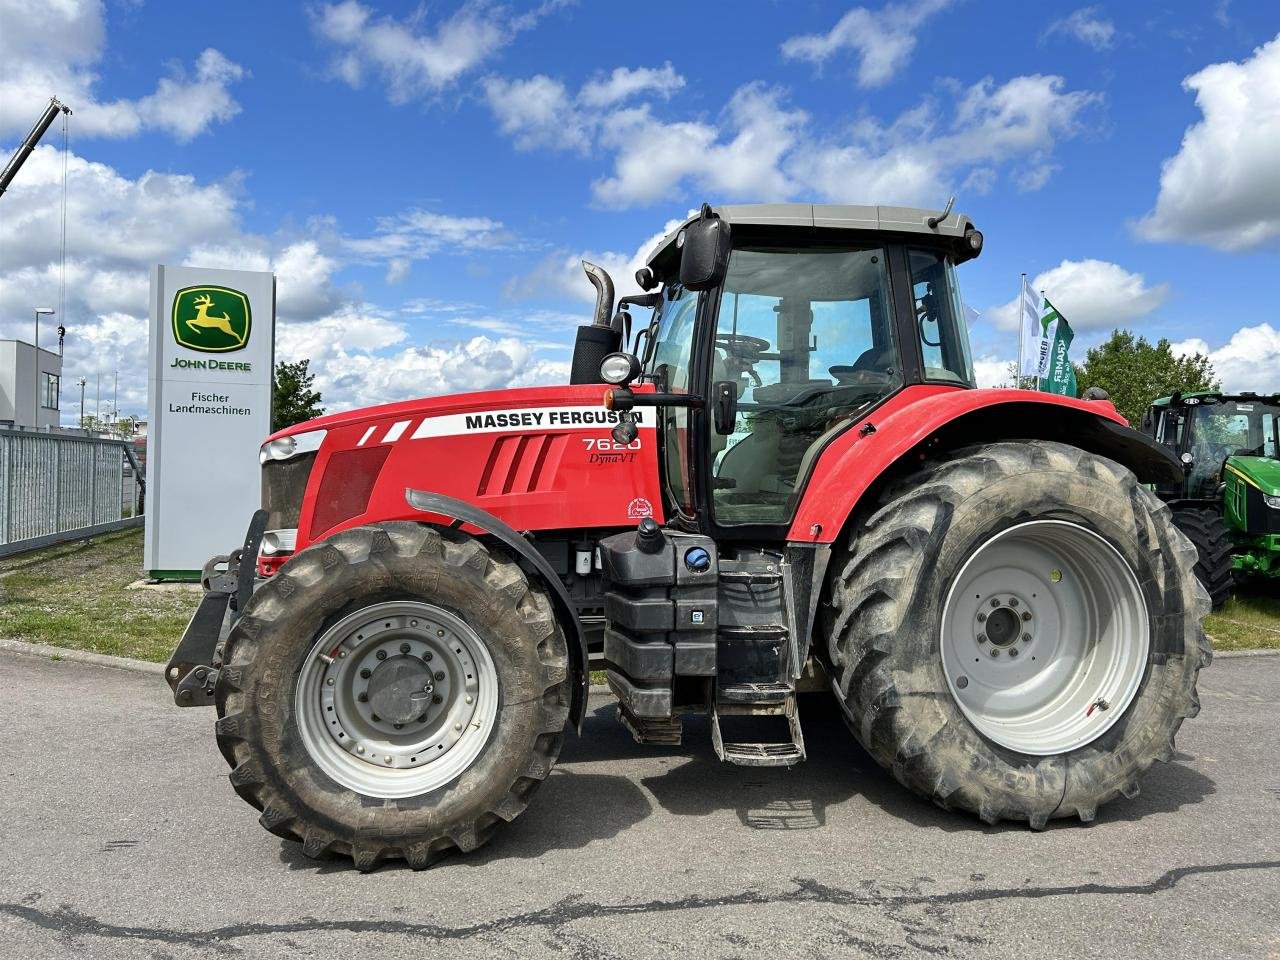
{"points": [[28, 400]]}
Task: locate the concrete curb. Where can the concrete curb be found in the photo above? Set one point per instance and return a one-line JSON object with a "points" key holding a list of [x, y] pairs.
{"points": [[46, 652]]}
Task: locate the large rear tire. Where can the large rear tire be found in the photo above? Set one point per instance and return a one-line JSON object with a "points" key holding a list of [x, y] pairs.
{"points": [[932, 604], [1208, 534], [393, 692]]}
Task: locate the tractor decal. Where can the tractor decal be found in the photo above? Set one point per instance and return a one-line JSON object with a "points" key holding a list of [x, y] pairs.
{"points": [[498, 421]]}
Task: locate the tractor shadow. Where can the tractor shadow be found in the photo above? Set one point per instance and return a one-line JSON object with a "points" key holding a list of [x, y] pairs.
{"points": [[696, 783]]}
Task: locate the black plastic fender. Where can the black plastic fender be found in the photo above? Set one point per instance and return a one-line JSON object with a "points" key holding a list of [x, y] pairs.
{"points": [[462, 512]]}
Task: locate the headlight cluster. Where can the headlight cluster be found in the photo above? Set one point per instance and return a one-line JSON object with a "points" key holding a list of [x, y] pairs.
{"points": [[282, 448], [619, 368], [1270, 501]]}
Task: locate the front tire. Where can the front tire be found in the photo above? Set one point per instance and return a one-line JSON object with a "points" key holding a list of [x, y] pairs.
{"points": [[1208, 534], [1036, 530], [393, 692]]}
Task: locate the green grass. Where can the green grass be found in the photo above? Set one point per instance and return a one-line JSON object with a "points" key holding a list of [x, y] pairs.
{"points": [[74, 595], [1248, 621]]}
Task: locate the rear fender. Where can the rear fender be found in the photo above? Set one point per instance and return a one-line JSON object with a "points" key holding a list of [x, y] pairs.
{"points": [[461, 513], [922, 423]]}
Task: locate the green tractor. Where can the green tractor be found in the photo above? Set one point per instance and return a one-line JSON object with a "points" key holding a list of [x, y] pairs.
{"points": [[1228, 503]]}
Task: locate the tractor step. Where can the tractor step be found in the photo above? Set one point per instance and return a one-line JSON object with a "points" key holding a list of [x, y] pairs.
{"points": [[780, 753], [660, 731], [754, 693]]}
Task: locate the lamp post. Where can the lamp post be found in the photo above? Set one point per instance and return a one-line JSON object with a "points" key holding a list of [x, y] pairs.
{"points": [[81, 382], [35, 414]]}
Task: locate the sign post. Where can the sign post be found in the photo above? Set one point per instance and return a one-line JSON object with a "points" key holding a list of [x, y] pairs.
{"points": [[211, 357]]}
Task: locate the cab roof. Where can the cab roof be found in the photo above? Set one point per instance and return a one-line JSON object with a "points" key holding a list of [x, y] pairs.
{"points": [[831, 216]]}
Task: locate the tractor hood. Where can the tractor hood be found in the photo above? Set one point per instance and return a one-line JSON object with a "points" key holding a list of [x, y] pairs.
{"points": [[1260, 472]]}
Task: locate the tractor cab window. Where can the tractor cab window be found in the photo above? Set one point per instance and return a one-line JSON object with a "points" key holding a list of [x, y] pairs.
{"points": [[669, 369], [940, 318], [805, 336]]}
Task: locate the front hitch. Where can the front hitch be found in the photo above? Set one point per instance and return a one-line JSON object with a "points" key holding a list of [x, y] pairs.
{"points": [[228, 580]]}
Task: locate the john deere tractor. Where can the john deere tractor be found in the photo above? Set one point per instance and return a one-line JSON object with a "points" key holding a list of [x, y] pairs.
{"points": [[784, 481], [1228, 500]]}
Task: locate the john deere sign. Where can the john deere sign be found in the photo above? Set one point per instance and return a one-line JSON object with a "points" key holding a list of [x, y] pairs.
{"points": [[212, 334], [211, 319]]}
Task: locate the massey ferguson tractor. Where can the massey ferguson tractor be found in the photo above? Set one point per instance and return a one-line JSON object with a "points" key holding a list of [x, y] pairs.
{"points": [[780, 479], [1228, 501]]}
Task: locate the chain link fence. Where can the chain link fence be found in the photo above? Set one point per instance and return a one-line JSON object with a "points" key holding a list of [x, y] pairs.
{"points": [[57, 487]]}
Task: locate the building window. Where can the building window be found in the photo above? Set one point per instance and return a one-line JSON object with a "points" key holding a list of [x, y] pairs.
{"points": [[49, 391]]}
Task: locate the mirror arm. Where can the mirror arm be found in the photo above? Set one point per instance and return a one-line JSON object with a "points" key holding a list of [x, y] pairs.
{"points": [[623, 399]]}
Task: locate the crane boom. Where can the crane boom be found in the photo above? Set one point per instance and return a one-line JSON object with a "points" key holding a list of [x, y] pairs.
{"points": [[20, 155]]}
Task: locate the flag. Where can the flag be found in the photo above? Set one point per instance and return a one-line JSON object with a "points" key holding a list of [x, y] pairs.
{"points": [[1030, 338], [1058, 375]]}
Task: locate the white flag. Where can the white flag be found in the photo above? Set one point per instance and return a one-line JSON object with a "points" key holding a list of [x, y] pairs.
{"points": [[1035, 345]]}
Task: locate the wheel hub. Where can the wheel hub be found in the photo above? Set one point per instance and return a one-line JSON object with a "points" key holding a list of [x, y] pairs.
{"points": [[400, 690], [1044, 620], [397, 699]]}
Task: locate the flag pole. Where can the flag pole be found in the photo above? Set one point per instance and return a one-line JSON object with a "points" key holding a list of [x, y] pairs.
{"points": [[1022, 332]]}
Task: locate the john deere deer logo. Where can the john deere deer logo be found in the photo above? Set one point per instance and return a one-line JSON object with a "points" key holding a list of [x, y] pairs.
{"points": [[211, 319]]}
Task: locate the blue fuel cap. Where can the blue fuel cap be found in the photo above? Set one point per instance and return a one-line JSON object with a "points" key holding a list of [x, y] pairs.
{"points": [[697, 559]]}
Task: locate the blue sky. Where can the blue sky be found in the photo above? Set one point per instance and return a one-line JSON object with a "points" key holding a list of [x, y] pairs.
{"points": [[423, 179]]}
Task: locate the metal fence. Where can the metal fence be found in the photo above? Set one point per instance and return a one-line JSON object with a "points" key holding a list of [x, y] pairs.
{"points": [[56, 487]]}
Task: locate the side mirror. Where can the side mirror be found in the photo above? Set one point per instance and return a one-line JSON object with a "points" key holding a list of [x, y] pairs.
{"points": [[704, 256], [725, 406]]}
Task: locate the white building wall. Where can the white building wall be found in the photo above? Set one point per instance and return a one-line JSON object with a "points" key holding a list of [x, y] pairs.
{"points": [[18, 384]]}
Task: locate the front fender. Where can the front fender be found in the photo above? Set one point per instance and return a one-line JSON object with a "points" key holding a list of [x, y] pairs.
{"points": [[922, 422], [464, 513]]}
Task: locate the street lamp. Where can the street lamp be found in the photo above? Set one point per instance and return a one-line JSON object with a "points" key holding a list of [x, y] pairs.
{"points": [[47, 312], [81, 382]]}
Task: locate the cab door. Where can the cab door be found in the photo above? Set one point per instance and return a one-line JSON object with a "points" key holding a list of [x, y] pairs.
{"points": [[669, 366]]}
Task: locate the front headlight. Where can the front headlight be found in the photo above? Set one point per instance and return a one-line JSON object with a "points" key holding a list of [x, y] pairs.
{"points": [[282, 448], [619, 368], [1270, 501]]}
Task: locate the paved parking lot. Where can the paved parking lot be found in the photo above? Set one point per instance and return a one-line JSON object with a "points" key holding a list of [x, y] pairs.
{"points": [[122, 838]]}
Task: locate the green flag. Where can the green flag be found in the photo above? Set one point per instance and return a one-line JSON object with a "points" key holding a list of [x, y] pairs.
{"points": [[1059, 374]]}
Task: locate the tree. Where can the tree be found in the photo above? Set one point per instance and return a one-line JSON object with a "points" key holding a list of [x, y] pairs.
{"points": [[292, 399], [1135, 373]]}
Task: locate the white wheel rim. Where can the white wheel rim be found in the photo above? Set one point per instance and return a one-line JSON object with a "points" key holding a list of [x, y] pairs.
{"points": [[1045, 637], [432, 734]]}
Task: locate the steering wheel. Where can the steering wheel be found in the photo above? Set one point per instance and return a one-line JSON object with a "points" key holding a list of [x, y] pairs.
{"points": [[739, 344]]}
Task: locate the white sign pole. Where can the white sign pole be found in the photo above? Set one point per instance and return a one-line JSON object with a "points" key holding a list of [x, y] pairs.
{"points": [[211, 355]]}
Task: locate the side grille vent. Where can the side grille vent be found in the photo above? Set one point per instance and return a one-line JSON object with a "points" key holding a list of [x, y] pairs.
{"points": [[523, 463]]}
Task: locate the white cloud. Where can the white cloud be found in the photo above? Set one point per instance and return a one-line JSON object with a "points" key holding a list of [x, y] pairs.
{"points": [[1086, 25], [1091, 294], [415, 234], [882, 40], [414, 58], [763, 150], [624, 83], [1222, 188], [1249, 360], [52, 47], [654, 159], [541, 113], [992, 371]]}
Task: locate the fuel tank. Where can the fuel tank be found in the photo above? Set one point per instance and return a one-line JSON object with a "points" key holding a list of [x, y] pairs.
{"points": [[538, 458]]}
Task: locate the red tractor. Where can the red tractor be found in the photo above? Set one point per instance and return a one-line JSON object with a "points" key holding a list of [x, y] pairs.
{"points": [[786, 481]]}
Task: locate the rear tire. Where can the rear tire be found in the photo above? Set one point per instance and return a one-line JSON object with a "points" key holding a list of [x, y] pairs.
{"points": [[893, 589], [484, 652], [1208, 533]]}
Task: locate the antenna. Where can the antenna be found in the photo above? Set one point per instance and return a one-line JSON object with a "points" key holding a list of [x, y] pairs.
{"points": [[934, 221]]}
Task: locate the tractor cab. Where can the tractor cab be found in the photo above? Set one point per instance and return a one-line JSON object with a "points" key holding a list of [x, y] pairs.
{"points": [[776, 329]]}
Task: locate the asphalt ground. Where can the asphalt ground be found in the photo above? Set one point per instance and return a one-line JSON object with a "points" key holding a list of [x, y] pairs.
{"points": [[120, 837]]}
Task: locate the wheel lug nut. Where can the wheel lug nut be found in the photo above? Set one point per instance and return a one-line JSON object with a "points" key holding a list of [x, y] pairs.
{"points": [[439, 675], [1026, 616], [1026, 638], [375, 718], [457, 726], [363, 698], [470, 699], [994, 603], [436, 699], [388, 759], [962, 682], [428, 688], [382, 654], [405, 648], [1013, 601], [982, 638], [995, 652], [427, 656], [365, 673], [398, 726], [1013, 651], [982, 618], [329, 682], [439, 633], [423, 718], [360, 748]]}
